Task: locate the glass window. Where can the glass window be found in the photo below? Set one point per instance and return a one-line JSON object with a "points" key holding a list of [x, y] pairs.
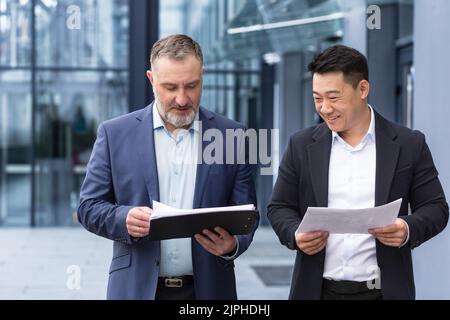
{"points": [[82, 33], [70, 106], [15, 33], [171, 10], [80, 79], [15, 147]]}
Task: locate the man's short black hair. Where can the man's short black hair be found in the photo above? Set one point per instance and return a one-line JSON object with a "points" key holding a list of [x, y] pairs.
{"points": [[349, 61]]}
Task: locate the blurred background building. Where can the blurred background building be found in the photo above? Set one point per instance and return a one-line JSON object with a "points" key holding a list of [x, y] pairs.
{"points": [[60, 77]]}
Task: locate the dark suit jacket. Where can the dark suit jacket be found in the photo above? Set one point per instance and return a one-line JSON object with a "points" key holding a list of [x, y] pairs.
{"points": [[404, 169], [122, 174]]}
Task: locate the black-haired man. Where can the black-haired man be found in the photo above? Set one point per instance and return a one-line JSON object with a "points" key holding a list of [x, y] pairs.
{"points": [[355, 159]]}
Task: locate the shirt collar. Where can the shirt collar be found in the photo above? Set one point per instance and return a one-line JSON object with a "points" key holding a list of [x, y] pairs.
{"points": [[159, 123], [370, 133]]}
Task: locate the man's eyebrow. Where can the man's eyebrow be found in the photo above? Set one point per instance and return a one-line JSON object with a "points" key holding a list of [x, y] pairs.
{"points": [[327, 92], [174, 84], [168, 84]]}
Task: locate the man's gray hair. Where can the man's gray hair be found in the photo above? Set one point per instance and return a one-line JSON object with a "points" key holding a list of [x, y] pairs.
{"points": [[177, 47]]}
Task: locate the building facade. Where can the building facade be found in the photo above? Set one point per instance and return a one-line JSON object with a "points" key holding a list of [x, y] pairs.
{"points": [[67, 65]]}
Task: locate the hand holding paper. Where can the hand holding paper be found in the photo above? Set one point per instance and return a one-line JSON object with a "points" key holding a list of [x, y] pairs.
{"points": [[349, 220], [312, 242], [138, 221], [393, 235]]}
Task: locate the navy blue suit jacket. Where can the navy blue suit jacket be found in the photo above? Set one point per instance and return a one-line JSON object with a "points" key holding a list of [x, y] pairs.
{"points": [[122, 174], [404, 169]]}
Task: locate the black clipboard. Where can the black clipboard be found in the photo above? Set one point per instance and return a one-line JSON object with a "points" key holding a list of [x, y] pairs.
{"points": [[186, 226]]}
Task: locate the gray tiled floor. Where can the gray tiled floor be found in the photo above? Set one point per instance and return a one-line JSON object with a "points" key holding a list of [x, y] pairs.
{"points": [[36, 264]]}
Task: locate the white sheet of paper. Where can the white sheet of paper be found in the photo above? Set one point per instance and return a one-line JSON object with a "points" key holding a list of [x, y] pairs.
{"points": [[349, 220], [163, 210]]}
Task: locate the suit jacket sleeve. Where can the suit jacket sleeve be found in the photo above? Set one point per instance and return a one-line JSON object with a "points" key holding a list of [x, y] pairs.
{"points": [[98, 211], [427, 200], [243, 192], [283, 211]]}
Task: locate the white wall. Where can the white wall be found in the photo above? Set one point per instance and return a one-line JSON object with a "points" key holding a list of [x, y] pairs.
{"points": [[431, 116]]}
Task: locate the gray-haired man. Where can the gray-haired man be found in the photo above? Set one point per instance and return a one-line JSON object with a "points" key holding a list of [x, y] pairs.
{"points": [[149, 155]]}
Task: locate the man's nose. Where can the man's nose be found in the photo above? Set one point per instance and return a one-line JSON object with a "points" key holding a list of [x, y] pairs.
{"points": [[326, 107], [181, 98]]}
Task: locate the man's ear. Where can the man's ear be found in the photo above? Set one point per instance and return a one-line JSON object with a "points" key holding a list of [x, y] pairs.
{"points": [[203, 71], [150, 76], [364, 89]]}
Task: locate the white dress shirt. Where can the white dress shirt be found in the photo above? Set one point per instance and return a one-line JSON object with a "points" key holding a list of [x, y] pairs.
{"points": [[176, 159], [352, 186]]}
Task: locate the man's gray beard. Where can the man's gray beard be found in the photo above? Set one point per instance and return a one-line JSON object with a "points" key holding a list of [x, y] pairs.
{"points": [[174, 120], [180, 121]]}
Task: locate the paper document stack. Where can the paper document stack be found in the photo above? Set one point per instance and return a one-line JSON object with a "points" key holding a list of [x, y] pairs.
{"points": [[349, 220]]}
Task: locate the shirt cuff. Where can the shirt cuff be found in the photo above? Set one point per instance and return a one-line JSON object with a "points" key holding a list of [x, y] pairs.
{"points": [[231, 257], [407, 234]]}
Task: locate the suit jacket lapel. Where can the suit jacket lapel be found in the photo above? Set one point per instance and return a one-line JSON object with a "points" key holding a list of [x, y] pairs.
{"points": [[319, 159], [387, 156], [202, 169], [145, 144]]}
